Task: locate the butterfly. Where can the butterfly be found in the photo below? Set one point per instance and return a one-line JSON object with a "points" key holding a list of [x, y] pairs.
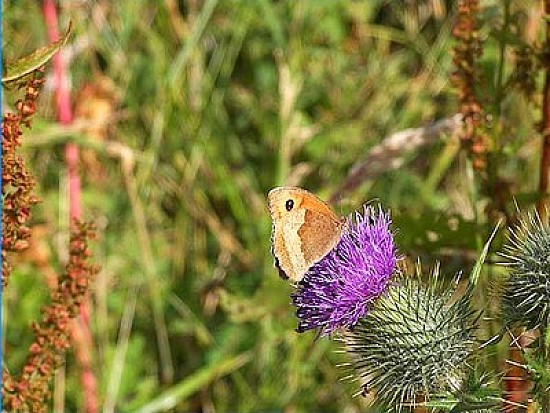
{"points": [[304, 230]]}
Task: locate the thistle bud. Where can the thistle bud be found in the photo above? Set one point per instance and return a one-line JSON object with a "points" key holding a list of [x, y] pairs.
{"points": [[526, 292], [414, 343]]}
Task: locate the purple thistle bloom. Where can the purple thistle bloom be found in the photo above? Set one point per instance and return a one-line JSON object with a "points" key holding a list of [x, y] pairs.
{"points": [[337, 291]]}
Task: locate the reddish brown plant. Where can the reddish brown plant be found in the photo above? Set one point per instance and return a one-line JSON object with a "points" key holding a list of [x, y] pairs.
{"points": [[17, 182], [32, 389], [544, 183], [466, 77]]}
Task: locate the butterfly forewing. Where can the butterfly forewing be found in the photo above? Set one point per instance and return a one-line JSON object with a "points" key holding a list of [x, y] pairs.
{"points": [[305, 229]]}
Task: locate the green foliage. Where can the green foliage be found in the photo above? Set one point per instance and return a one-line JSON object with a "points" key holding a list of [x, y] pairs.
{"points": [[213, 103], [17, 73]]}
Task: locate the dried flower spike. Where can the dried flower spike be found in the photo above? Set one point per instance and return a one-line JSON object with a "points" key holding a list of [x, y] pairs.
{"points": [[17, 182], [466, 78], [31, 391], [338, 290]]}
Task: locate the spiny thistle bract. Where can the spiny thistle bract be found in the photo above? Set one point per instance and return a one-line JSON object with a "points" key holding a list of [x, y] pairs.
{"points": [[525, 294], [414, 343], [338, 290], [480, 393]]}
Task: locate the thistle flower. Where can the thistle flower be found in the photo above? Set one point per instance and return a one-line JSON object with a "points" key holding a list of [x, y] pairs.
{"points": [[414, 343], [526, 292], [338, 290]]}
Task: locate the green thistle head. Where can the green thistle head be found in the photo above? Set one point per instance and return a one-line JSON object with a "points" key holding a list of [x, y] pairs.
{"points": [[414, 344], [525, 294]]}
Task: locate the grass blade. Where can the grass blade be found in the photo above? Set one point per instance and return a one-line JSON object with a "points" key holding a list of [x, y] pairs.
{"points": [[171, 397]]}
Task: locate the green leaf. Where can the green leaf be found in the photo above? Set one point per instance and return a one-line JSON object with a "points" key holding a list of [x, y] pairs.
{"points": [[171, 397], [19, 71], [474, 275], [454, 405], [441, 404]]}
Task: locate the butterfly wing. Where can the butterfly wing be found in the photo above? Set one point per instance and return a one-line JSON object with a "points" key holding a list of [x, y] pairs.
{"points": [[303, 234], [286, 243], [322, 233]]}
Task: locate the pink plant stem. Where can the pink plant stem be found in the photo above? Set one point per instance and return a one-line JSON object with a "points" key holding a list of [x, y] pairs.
{"points": [[82, 336], [64, 110]]}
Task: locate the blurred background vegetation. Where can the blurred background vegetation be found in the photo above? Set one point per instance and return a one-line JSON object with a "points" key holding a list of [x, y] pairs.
{"points": [[188, 112]]}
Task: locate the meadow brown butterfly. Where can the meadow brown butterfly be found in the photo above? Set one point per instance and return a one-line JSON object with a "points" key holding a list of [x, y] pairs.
{"points": [[304, 230]]}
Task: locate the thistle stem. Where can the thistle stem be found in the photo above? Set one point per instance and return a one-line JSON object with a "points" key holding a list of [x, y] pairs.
{"points": [[545, 160], [544, 396]]}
